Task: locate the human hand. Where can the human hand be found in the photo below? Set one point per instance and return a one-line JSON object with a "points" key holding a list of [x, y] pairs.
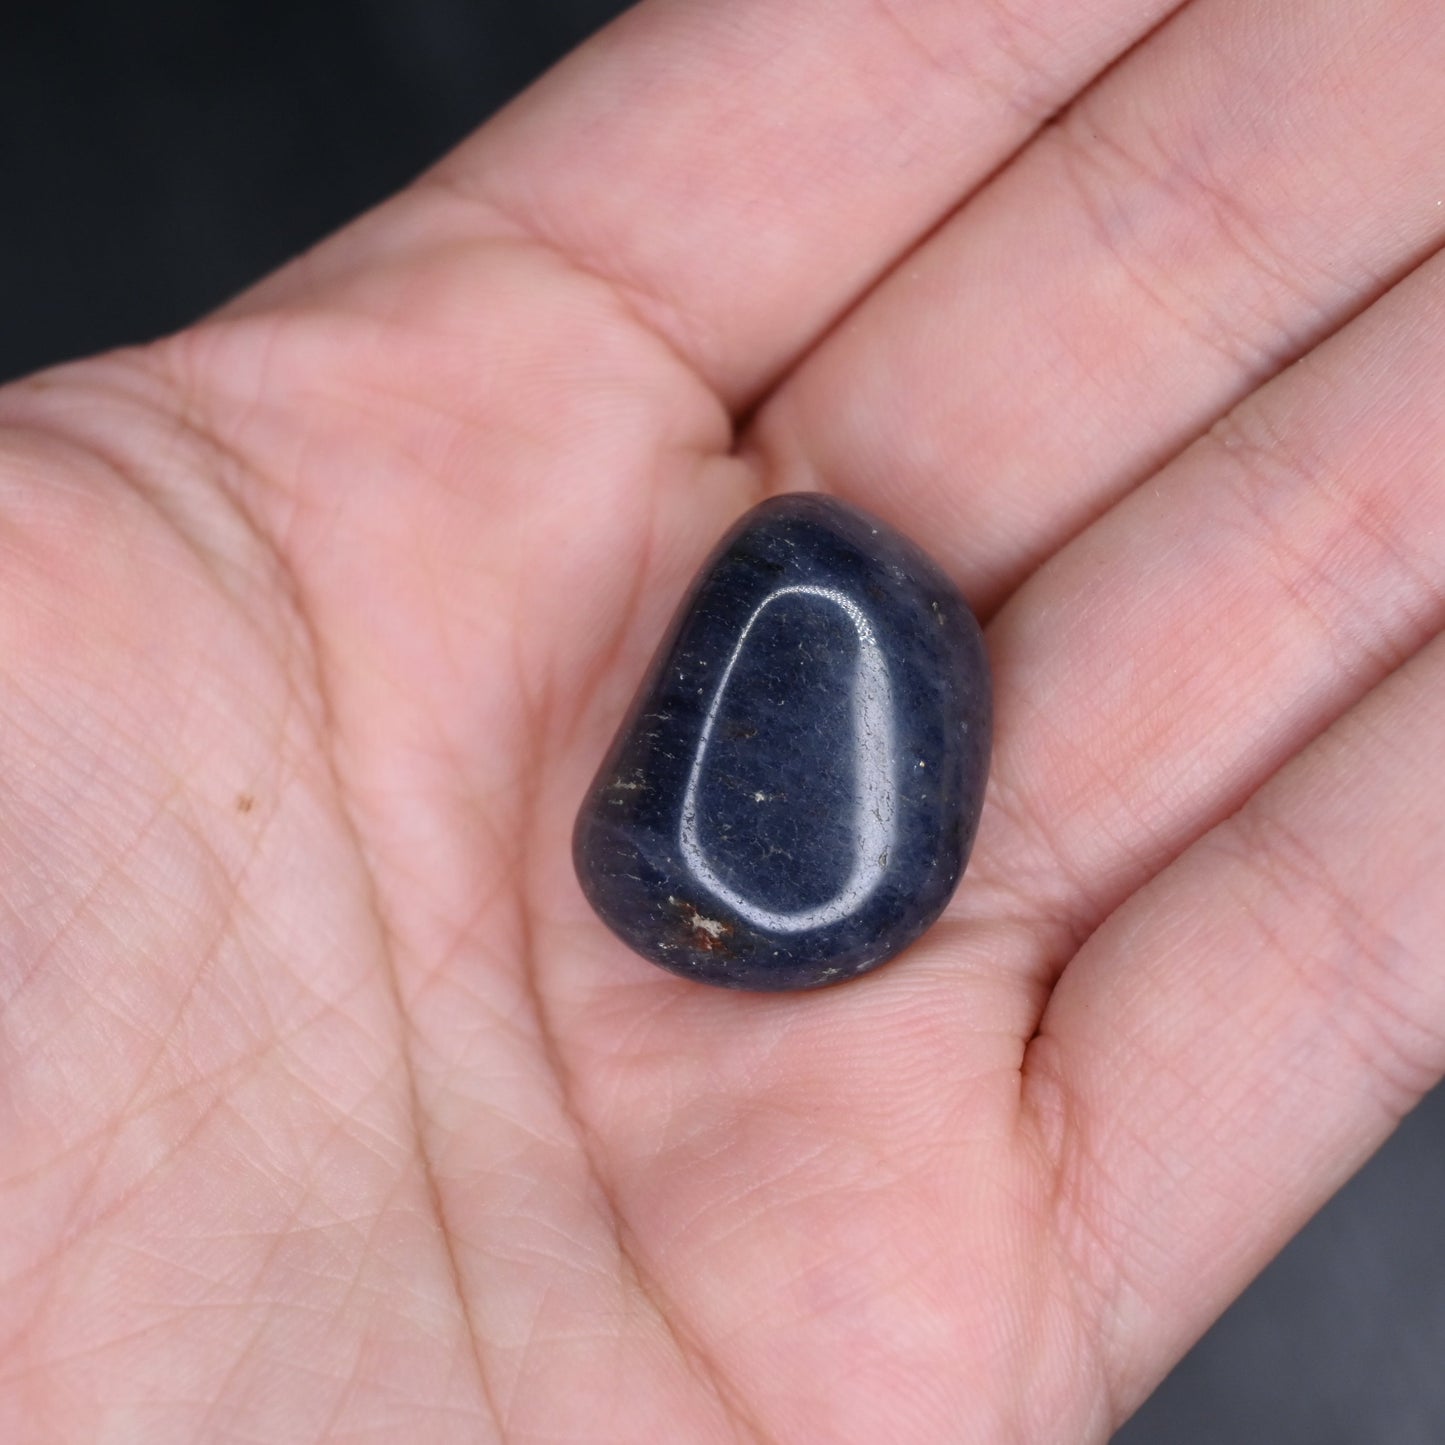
{"points": [[328, 1108]]}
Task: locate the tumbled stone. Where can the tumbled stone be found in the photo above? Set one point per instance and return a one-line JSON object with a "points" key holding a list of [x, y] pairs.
{"points": [[793, 796]]}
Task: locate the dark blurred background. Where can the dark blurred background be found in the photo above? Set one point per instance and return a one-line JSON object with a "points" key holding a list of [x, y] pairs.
{"points": [[157, 156]]}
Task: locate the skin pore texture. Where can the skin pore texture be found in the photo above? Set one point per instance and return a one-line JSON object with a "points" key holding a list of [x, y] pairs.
{"points": [[329, 1110]]}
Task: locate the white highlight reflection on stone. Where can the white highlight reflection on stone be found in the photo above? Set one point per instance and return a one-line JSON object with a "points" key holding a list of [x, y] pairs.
{"points": [[874, 768]]}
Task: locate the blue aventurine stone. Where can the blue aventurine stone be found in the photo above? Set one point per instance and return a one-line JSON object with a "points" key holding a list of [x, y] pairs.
{"points": [[793, 796]]}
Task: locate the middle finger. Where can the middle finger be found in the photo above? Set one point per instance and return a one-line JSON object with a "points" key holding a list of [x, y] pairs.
{"points": [[1240, 185]]}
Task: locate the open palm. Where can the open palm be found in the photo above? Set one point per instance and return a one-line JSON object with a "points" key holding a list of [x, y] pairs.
{"points": [[330, 1113]]}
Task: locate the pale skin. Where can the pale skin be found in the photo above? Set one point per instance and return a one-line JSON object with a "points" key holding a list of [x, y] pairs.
{"points": [[329, 1112]]}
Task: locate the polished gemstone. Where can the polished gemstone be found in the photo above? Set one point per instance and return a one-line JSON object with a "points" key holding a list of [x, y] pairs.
{"points": [[793, 796]]}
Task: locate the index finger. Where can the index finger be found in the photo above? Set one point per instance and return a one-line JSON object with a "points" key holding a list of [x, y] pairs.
{"points": [[742, 173]]}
